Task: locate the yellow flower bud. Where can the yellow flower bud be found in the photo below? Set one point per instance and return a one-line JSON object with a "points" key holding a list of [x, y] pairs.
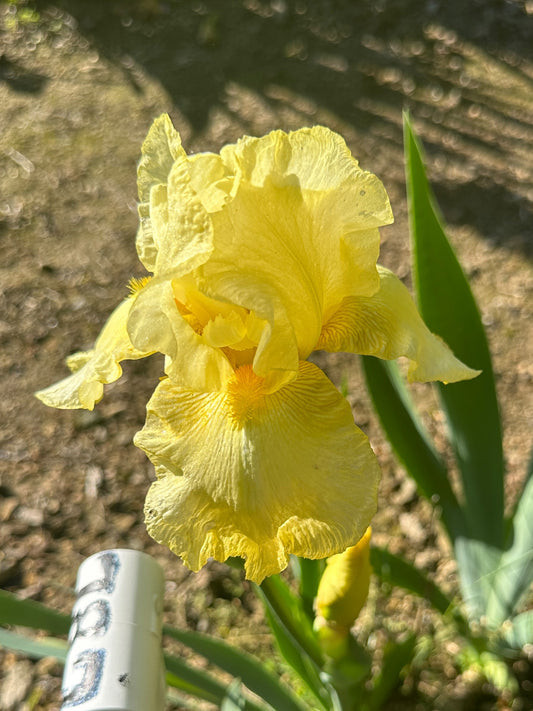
{"points": [[343, 589]]}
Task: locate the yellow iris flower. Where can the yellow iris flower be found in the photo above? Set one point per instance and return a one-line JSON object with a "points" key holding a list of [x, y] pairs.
{"points": [[257, 256]]}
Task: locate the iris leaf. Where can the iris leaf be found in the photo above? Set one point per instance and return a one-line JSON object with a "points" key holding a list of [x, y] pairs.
{"points": [[251, 672], [515, 571], [409, 439], [397, 571], [34, 648], [521, 631], [234, 699], [293, 635], [397, 655], [199, 683], [288, 607], [449, 309], [308, 572], [28, 613]]}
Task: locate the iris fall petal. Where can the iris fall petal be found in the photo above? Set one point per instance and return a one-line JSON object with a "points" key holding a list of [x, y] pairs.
{"points": [[258, 476], [91, 369], [388, 325]]}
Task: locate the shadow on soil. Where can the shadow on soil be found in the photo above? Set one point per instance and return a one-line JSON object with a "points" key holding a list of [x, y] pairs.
{"points": [[365, 62]]}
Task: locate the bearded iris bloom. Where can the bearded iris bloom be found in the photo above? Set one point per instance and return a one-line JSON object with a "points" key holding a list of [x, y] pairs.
{"points": [[257, 256]]}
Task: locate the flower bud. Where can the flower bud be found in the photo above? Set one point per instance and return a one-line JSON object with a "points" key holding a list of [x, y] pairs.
{"points": [[342, 592]]}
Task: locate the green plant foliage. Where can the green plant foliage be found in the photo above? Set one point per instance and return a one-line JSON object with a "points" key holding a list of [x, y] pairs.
{"points": [[397, 571], [234, 699], [308, 572], [520, 631], [515, 570], [199, 683], [291, 644], [27, 613], [250, 671], [34, 648], [494, 556], [449, 309], [397, 656], [409, 439], [288, 607]]}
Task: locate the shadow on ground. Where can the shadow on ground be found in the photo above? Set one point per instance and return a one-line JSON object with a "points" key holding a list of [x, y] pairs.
{"points": [[364, 61]]}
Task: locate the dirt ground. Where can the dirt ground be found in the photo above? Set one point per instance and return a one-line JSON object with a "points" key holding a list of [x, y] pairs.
{"points": [[80, 84]]}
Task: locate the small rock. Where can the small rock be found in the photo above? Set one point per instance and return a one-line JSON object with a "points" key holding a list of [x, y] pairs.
{"points": [[406, 493], [427, 559], [16, 685], [31, 517], [7, 506], [412, 528], [94, 477]]}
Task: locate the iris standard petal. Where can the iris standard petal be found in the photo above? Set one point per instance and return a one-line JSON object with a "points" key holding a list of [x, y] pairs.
{"points": [[159, 151], [91, 369], [210, 179], [175, 232], [243, 473], [388, 325], [301, 222]]}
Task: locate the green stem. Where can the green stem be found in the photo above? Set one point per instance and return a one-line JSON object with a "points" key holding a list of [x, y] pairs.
{"points": [[290, 624]]}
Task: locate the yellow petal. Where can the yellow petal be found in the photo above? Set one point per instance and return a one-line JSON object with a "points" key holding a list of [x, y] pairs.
{"points": [[244, 473], [388, 325], [298, 235], [156, 324], [159, 151], [91, 369], [210, 180], [175, 232], [317, 159], [225, 331]]}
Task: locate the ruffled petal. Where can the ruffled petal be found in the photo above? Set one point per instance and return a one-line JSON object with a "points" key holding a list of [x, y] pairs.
{"points": [[91, 369], [244, 473], [210, 179], [297, 234], [388, 325], [175, 232], [317, 158], [159, 151]]}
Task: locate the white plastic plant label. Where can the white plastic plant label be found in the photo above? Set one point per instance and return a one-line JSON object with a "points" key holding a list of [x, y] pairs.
{"points": [[115, 660]]}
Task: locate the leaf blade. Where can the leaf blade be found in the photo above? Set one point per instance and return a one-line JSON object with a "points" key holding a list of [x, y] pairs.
{"points": [[198, 683], [289, 641], [449, 309], [515, 571], [33, 648], [240, 665], [521, 631], [28, 613], [409, 439], [397, 571]]}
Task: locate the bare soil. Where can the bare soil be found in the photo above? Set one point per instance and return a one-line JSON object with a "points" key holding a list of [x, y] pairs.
{"points": [[80, 84]]}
